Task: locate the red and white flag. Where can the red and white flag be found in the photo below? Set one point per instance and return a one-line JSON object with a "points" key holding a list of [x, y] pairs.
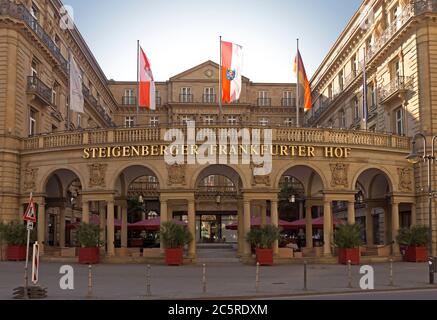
{"points": [[232, 62], [146, 98]]}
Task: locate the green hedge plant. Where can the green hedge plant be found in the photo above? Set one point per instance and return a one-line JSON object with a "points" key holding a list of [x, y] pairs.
{"points": [[88, 235], [348, 236], [14, 233], [416, 236], [264, 237], [175, 236]]}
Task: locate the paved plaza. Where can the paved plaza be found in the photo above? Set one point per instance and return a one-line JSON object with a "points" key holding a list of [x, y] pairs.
{"points": [[224, 280]]}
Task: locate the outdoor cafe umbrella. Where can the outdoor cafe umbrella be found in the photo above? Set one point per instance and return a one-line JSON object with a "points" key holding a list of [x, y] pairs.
{"points": [[94, 219], [151, 224], [256, 222], [317, 223]]}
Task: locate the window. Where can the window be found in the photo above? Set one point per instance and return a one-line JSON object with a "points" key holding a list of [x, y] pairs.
{"points": [[55, 101], [129, 97], [287, 99], [342, 119], [354, 64], [373, 97], [232, 120], [369, 43], [208, 95], [396, 16], [263, 99], [209, 120], [79, 120], [396, 69], [34, 11], [330, 91], [289, 122], [341, 80], [399, 121], [186, 96], [129, 122], [158, 98], [34, 69], [185, 119], [154, 121], [356, 106], [264, 122], [32, 122]]}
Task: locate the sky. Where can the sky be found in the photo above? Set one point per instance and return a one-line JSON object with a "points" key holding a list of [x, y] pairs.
{"points": [[178, 35]]}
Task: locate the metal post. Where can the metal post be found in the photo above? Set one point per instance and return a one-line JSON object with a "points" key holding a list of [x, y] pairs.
{"points": [[90, 281], [204, 279], [257, 277], [305, 276], [148, 290], [349, 273], [430, 197], [391, 274], [26, 267]]}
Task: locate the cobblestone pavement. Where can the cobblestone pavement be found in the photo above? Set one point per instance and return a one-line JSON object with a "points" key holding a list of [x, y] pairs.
{"points": [[224, 280]]}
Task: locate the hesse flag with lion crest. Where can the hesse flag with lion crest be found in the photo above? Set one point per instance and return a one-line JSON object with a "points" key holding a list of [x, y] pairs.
{"points": [[232, 61]]}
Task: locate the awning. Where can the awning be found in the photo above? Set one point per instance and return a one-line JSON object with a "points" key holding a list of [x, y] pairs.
{"points": [[151, 224], [256, 222], [94, 219], [317, 223]]}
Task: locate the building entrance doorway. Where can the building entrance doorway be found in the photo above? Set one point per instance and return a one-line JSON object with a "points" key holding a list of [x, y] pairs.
{"points": [[211, 228]]}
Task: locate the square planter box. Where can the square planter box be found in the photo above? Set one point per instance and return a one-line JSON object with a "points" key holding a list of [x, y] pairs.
{"points": [[264, 257], [174, 257], [16, 253], [89, 255], [344, 255], [416, 254]]}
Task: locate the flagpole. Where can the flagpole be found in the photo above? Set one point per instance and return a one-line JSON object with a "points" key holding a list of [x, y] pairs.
{"points": [[69, 91], [220, 82], [138, 79], [297, 86], [365, 102]]}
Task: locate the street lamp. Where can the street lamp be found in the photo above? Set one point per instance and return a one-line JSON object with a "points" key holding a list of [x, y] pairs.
{"points": [[415, 158]]}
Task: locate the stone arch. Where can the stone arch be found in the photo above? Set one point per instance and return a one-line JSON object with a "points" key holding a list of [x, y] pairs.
{"points": [[379, 169], [127, 175], [117, 173], [46, 177], [309, 183], [230, 172]]}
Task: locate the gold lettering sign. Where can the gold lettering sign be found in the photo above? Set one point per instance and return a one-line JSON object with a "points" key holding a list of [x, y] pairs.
{"points": [[162, 150]]}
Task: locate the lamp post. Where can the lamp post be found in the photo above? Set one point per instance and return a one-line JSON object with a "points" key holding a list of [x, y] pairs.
{"points": [[415, 158]]}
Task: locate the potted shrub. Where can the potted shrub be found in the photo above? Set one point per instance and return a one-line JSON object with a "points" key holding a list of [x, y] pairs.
{"points": [[15, 236], [174, 238], [262, 239], [347, 238], [88, 237], [415, 241]]}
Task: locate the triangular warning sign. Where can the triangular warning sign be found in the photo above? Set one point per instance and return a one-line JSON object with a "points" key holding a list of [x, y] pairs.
{"points": [[30, 214]]}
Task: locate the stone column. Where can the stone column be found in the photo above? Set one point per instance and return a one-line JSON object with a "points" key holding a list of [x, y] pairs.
{"points": [[301, 210], [164, 218], [110, 229], [369, 227], [246, 229], [309, 226], [62, 227], [192, 227], [124, 226], [263, 208], [275, 222], [41, 225], [395, 227], [327, 228], [413, 215], [351, 212], [85, 212], [102, 216], [240, 231]]}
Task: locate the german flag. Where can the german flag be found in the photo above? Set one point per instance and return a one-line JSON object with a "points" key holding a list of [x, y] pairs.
{"points": [[303, 90]]}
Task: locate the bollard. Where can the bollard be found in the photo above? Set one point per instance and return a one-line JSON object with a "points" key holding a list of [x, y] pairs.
{"points": [[305, 275], [349, 273], [391, 274], [148, 290], [257, 277], [204, 279], [90, 281]]}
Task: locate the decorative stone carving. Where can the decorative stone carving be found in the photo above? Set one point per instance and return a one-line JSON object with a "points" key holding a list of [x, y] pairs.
{"points": [[339, 175], [97, 174], [30, 176], [405, 179], [259, 179], [176, 174]]}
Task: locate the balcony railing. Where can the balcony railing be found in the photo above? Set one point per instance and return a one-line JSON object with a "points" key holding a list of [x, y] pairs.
{"points": [[288, 102], [209, 98], [186, 98], [118, 136], [96, 105], [129, 101], [264, 102], [19, 11], [397, 85], [38, 88]]}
